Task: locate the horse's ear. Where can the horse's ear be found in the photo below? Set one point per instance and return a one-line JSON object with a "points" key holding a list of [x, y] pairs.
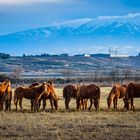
{"points": [[44, 83]]}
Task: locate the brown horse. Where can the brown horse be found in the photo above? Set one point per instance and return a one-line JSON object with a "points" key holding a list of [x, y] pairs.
{"points": [[48, 94], [3, 88], [117, 92], [91, 92], [33, 93], [132, 91], [69, 91], [8, 97]]}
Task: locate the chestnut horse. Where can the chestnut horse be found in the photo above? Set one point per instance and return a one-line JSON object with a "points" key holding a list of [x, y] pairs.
{"points": [[91, 92], [8, 97], [117, 92], [69, 91], [33, 93], [132, 91], [3, 89], [49, 93]]}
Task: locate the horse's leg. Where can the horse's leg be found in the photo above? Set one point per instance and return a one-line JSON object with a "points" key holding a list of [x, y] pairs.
{"points": [[9, 105], [82, 104], [55, 103], [67, 100], [38, 104], [96, 103], [91, 102], [16, 102], [132, 104], [32, 104], [44, 104], [114, 103], [124, 100], [6, 105], [109, 101], [51, 103], [85, 103], [78, 103], [20, 103]]}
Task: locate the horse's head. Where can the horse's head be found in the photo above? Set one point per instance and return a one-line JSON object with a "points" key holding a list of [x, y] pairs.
{"points": [[5, 85], [50, 88], [108, 102]]}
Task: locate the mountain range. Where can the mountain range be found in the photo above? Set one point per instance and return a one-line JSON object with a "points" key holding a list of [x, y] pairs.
{"points": [[88, 35]]}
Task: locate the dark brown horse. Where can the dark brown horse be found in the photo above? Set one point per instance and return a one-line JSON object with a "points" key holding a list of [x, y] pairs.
{"points": [[3, 89], [48, 94], [33, 93], [132, 91], [91, 92], [69, 91], [117, 92]]}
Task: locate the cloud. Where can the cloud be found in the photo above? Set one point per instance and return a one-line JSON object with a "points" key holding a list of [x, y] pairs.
{"points": [[130, 15], [22, 2]]}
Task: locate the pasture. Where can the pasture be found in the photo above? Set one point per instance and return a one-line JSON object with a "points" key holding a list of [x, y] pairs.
{"points": [[72, 124]]}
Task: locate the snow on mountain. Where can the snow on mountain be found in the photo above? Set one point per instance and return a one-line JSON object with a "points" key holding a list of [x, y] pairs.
{"points": [[112, 28]]}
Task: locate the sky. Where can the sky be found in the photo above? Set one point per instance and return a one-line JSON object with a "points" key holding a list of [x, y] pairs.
{"points": [[17, 15]]}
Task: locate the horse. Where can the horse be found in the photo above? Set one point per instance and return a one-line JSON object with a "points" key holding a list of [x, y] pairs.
{"points": [[3, 89], [49, 93], [132, 91], [117, 92], [69, 91], [33, 93], [8, 97], [91, 92]]}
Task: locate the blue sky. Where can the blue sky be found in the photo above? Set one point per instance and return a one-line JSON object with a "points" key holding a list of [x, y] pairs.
{"points": [[16, 15]]}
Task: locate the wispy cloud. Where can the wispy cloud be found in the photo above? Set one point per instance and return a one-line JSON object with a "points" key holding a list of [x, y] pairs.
{"points": [[21, 2], [130, 15]]}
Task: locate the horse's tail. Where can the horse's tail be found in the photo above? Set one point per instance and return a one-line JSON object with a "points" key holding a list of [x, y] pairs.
{"points": [[98, 91], [15, 96], [64, 92]]}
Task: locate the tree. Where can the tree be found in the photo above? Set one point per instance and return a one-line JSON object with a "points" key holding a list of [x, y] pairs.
{"points": [[17, 72]]}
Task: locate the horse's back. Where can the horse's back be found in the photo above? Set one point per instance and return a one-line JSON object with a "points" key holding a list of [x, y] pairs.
{"points": [[133, 90], [89, 91], [69, 90]]}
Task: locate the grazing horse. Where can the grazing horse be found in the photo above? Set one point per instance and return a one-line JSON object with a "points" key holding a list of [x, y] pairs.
{"points": [[69, 91], [3, 88], [33, 93], [132, 91], [49, 93], [8, 97], [91, 92], [117, 92]]}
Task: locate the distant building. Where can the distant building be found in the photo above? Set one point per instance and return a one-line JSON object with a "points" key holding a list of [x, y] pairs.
{"points": [[86, 55]]}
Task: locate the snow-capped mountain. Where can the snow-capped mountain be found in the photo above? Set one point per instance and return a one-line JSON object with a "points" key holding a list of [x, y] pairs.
{"points": [[81, 33]]}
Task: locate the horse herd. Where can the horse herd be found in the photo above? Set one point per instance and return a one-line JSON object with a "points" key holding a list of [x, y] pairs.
{"points": [[38, 92]]}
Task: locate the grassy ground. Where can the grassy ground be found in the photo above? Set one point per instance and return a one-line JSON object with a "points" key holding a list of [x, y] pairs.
{"points": [[72, 124]]}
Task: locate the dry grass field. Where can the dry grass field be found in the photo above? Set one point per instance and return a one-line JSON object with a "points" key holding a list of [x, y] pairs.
{"points": [[71, 124]]}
